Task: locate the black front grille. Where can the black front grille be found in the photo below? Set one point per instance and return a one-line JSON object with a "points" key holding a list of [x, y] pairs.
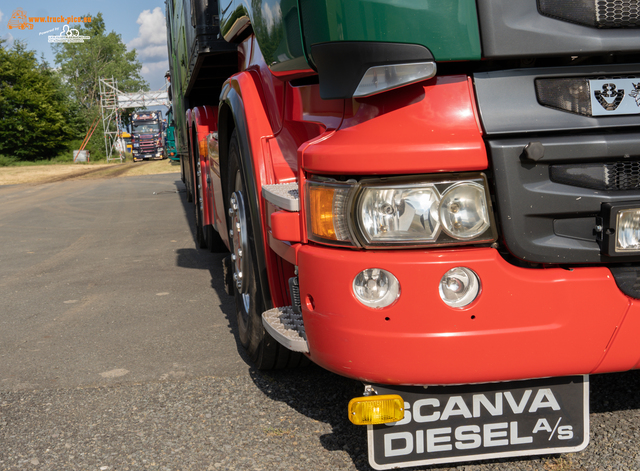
{"points": [[604, 14], [618, 14], [549, 209], [610, 176]]}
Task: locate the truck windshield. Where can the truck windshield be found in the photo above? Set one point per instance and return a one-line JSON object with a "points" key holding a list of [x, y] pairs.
{"points": [[146, 127]]}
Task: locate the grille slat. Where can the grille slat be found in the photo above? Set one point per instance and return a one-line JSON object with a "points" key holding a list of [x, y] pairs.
{"points": [[618, 14], [609, 176], [605, 14]]}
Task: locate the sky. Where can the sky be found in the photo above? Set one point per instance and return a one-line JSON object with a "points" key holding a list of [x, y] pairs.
{"points": [[140, 23]]}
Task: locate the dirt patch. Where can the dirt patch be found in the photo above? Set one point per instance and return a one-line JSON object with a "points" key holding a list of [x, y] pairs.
{"points": [[39, 174]]}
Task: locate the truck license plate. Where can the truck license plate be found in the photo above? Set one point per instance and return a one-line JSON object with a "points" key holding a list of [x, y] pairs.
{"points": [[447, 424]]}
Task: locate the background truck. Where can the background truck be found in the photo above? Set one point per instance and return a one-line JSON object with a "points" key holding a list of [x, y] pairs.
{"points": [[147, 138], [440, 199]]}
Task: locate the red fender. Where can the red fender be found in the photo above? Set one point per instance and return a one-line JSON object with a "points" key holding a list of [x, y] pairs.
{"points": [[251, 116], [205, 120]]}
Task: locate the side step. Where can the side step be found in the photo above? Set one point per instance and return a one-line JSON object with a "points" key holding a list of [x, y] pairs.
{"points": [[283, 195], [286, 327]]}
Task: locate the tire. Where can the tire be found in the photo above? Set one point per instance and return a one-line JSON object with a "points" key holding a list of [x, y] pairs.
{"points": [[214, 241], [262, 349], [198, 205], [201, 240]]}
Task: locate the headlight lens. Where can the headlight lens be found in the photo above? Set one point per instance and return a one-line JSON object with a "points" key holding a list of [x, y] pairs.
{"points": [[428, 211], [459, 287], [463, 211], [435, 213], [400, 214], [376, 288], [628, 237]]}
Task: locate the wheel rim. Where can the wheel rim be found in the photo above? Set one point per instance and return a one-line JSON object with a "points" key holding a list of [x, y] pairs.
{"points": [[239, 236]]}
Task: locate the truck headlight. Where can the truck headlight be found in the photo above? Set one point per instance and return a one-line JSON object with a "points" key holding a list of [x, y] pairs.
{"points": [[463, 211], [399, 214], [427, 211], [628, 230], [435, 212]]}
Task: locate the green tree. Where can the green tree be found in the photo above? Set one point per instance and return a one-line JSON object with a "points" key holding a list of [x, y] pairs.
{"points": [[82, 65], [37, 119], [103, 56]]}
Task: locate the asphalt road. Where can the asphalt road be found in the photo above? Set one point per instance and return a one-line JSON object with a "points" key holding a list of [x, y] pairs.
{"points": [[117, 352]]}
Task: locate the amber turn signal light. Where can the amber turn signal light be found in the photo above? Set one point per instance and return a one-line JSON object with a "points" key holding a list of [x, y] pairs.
{"points": [[371, 410]]}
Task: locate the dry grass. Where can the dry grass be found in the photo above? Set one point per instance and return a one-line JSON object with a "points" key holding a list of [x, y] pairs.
{"points": [[37, 174]]}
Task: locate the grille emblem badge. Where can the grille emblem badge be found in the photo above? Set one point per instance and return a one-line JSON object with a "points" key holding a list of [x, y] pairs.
{"points": [[635, 93], [608, 96], [609, 90]]}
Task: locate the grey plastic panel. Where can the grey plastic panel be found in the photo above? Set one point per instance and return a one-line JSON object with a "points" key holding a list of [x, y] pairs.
{"points": [[508, 103], [547, 222], [283, 195], [515, 28], [286, 327]]}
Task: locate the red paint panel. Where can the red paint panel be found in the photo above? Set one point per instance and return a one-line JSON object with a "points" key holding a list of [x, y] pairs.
{"points": [[285, 225], [423, 128], [219, 220], [205, 120], [304, 105], [285, 250], [526, 323], [270, 87], [623, 353]]}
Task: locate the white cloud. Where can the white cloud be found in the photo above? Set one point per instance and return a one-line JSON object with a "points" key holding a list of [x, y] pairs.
{"points": [[9, 38], [151, 42], [153, 72], [152, 68], [1, 15], [154, 52]]}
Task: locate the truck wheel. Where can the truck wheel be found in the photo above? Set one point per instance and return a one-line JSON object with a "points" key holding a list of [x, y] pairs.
{"points": [[263, 350], [214, 241], [189, 190], [200, 231]]}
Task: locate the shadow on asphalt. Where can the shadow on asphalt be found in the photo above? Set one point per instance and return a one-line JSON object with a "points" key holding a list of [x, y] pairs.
{"points": [[203, 259], [324, 396]]}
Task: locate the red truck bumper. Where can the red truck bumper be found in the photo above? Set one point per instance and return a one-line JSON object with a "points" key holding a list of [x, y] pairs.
{"points": [[526, 323]]}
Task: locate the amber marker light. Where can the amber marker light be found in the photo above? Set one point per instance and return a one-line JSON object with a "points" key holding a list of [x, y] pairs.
{"points": [[327, 212], [204, 149], [321, 205], [371, 410]]}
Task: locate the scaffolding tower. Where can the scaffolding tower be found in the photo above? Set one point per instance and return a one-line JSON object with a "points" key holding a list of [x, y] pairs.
{"points": [[112, 101]]}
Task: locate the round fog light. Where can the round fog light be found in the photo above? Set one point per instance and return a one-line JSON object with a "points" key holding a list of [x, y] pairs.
{"points": [[459, 287], [376, 288]]}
